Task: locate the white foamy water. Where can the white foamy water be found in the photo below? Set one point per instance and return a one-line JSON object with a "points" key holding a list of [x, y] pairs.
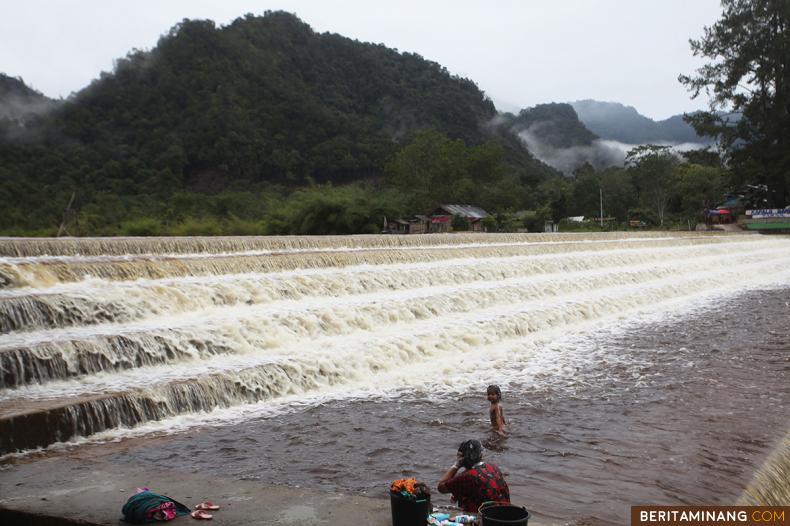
{"points": [[99, 359]]}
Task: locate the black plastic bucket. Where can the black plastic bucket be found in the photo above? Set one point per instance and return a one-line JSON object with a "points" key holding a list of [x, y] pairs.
{"points": [[407, 512], [504, 514]]}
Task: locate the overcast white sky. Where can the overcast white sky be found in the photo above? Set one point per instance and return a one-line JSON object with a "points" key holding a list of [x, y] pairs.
{"points": [[521, 53]]}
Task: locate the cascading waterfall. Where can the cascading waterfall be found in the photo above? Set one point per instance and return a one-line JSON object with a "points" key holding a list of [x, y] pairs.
{"points": [[30, 247], [51, 270], [97, 334]]}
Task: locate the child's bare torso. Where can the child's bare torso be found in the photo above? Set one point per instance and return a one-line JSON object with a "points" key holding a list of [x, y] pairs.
{"points": [[496, 413]]}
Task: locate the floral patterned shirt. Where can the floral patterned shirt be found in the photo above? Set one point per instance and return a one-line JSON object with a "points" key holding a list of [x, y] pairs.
{"points": [[482, 483]]}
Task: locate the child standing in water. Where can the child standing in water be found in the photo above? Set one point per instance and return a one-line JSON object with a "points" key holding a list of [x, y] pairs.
{"points": [[494, 395]]}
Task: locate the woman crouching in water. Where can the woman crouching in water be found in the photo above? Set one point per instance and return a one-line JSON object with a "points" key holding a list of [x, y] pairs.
{"points": [[479, 482]]}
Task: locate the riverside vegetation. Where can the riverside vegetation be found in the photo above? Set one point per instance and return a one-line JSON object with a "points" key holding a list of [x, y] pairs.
{"points": [[264, 126]]}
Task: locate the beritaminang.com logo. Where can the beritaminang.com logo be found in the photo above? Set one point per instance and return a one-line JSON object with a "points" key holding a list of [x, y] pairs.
{"points": [[710, 515]]}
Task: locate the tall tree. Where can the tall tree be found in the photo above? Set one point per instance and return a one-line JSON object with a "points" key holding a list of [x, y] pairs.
{"points": [[696, 188], [436, 169], [651, 168], [748, 80]]}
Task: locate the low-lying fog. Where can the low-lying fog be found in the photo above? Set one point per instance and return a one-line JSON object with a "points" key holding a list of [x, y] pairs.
{"points": [[601, 153]]}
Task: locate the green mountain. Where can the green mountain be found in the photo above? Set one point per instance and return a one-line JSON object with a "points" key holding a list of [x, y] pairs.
{"points": [[19, 103], [612, 120], [554, 134], [264, 104], [555, 125]]}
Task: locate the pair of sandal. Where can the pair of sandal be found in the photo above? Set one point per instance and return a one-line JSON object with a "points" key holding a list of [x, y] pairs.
{"points": [[202, 509]]}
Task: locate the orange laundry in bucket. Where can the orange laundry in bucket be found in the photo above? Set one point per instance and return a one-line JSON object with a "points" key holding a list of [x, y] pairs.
{"points": [[403, 485], [410, 501]]}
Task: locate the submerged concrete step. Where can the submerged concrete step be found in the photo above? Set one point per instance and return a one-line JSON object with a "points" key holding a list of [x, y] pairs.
{"points": [[41, 274], [33, 423]]}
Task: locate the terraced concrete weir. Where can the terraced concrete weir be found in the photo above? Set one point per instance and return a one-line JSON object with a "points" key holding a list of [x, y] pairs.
{"points": [[99, 336]]}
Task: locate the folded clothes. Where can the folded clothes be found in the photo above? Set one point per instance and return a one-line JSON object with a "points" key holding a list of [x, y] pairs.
{"points": [[147, 506]]}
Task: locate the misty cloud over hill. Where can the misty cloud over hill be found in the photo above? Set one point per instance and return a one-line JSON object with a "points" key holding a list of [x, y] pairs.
{"points": [[554, 134], [599, 153], [19, 103], [554, 124], [557, 135]]}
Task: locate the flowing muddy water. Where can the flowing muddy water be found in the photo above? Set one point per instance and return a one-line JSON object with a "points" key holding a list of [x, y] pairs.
{"points": [[680, 411], [635, 369]]}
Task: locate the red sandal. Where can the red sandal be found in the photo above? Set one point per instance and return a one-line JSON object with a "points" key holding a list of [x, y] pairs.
{"points": [[207, 505], [202, 515]]}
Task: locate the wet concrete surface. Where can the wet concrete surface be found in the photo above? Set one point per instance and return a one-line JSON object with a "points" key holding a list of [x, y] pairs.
{"points": [[59, 491]]}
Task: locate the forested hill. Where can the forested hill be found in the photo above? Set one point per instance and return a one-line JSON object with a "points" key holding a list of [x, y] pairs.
{"points": [[262, 103], [19, 103], [555, 125], [268, 98], [611, 120]]}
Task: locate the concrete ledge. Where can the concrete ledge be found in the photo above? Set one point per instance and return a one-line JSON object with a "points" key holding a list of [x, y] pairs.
{"points": [[13, 517], [66, 491]]}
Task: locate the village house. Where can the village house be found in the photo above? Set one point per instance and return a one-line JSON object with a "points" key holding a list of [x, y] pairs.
{"points": [[417, 225], [442, 217], [439, 220]]}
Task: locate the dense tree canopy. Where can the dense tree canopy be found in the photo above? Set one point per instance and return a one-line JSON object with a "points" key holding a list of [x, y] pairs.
{"points": [[747, 77], [434, 169]]}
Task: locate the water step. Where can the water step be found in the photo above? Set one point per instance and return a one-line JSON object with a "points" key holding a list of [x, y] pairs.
{"points": [[35, 247], [60, 415], [58, 354], [21, 273], [106, 335]]}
